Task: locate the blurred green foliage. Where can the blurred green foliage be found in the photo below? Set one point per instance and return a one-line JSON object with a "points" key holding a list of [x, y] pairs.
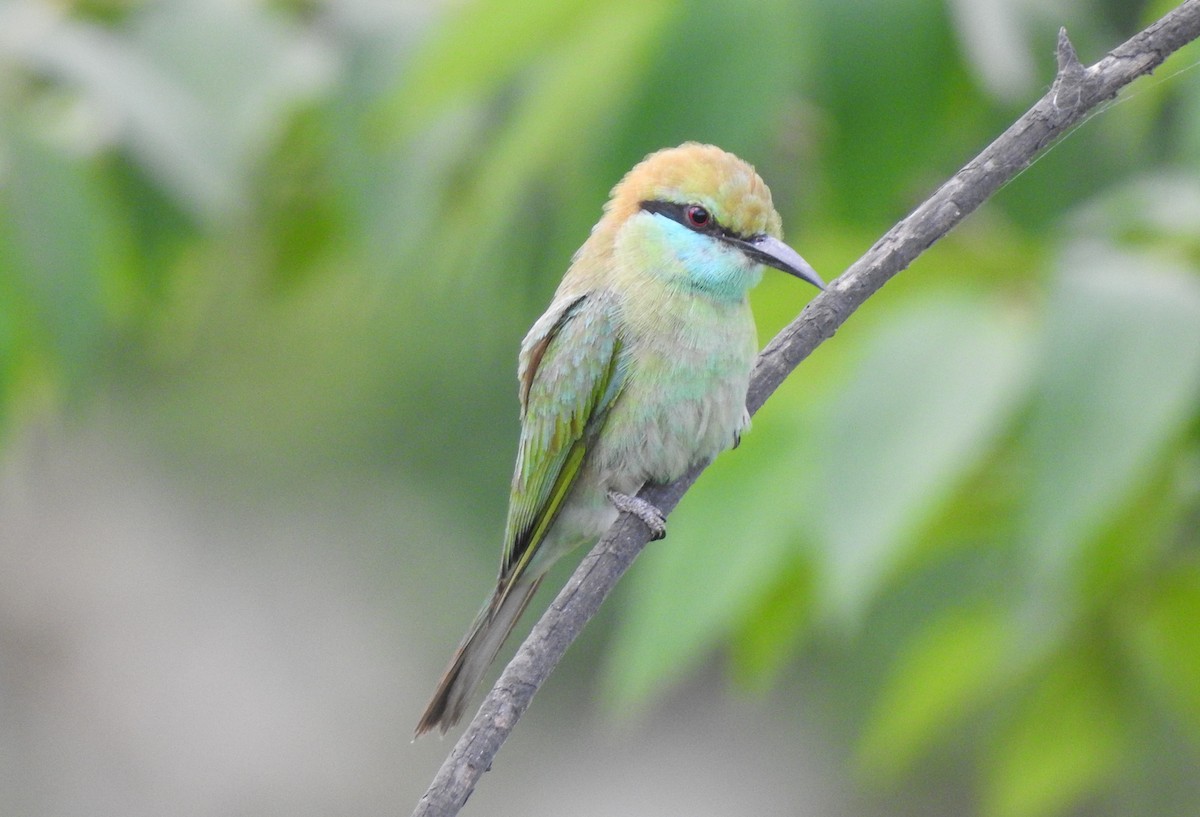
{"points": [[310, 235]]}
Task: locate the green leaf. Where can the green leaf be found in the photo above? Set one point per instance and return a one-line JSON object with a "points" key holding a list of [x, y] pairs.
{"points": [[1164, 636], [953, 665], [228, 75], [193, 90], [476, 52], [908, 52], [1064, 743], [753, 52], [770, 635], [937, 382], [1120, 374], [65, 251]]}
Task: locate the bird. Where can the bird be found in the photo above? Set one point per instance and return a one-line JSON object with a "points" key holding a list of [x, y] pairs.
{"points": [[637, 372]]}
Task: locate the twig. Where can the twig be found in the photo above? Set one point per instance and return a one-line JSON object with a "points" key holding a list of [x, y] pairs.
{"points": [[1075, 92]]}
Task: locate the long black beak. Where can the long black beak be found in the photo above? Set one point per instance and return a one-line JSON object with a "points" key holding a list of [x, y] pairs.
{"points": [[774, 253]]}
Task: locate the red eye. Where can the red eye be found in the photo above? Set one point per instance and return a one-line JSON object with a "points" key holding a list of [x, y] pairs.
{"points": [[697, 216]]}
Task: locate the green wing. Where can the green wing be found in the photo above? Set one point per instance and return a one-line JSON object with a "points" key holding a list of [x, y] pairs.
{"points": [[570, 375]]}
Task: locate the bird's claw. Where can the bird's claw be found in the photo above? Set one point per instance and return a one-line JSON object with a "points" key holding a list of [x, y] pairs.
{"points": [[651, 516]]}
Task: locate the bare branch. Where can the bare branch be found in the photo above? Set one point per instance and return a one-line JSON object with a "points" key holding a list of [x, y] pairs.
{"points": [[1076, 92]]}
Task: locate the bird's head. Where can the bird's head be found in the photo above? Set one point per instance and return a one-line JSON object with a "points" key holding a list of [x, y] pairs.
{"points": [[702, 219]]}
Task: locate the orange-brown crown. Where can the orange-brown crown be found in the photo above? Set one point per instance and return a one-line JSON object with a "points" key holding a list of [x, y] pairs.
{"points": [[700, 174]]}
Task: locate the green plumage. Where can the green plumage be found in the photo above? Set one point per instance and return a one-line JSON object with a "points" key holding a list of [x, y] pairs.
{"points": [[636, 372], [575, 374]]}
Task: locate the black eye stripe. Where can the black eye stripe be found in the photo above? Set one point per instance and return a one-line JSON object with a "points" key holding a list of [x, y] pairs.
{"points": [[679, 213]]}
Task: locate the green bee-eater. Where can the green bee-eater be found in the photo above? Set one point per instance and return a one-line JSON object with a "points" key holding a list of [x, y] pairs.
{"points": [[637, 372]]}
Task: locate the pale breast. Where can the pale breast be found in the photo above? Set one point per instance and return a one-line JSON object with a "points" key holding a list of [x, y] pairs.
{"points": [[684, 398]]}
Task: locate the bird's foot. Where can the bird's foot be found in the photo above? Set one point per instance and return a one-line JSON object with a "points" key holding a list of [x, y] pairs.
{"points": [[742, 429], [651, 516]]}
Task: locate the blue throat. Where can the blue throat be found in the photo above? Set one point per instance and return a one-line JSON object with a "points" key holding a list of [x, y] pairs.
{"points": [[709, 267]]}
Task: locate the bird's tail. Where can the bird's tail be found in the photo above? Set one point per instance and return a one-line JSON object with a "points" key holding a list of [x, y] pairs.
{"points": [[475, 654]]}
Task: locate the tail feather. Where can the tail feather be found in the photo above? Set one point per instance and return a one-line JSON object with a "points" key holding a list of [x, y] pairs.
{"points": [[474, 655]]}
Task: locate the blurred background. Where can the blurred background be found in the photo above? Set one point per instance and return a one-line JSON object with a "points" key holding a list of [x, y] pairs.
{"points": [[264, 269]]}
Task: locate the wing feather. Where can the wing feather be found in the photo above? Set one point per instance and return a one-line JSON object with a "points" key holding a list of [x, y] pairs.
{"points": [[570, 374]]}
